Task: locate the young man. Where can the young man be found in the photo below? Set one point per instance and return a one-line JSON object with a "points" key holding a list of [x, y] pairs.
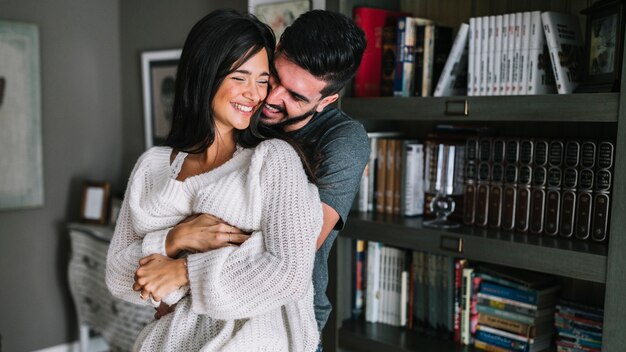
{"points": [[316, 57]]}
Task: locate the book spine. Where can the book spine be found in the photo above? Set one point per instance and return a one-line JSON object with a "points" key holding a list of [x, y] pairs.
{"points": [[563, 30], [483, 184], [510, 54], [517, 50], [504, 56], [511, 176], [484, 53], [554, 183], [459, 265], [359, 279], [381, 173], [427, 69], [405, 55], [420, 59], [501, 341], [538, 189], [478, 55], [471, 169], [584, 201], [522, 209], [524, 53], [480, 344], [497, 57], [496, 183], [491, 48], [466, 296], [602, 198], [524, 319], [397, 183], [540, 75], [388, 60], [442, 46], [471, 56], [570, 184], [524, 296]]}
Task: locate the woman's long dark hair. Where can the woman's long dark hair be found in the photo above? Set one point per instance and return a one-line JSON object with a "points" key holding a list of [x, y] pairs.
{"points": [[216, 46]]}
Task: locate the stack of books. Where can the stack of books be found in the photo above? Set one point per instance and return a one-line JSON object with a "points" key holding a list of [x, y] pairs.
{"points": [[515, 309], [579, 327]]}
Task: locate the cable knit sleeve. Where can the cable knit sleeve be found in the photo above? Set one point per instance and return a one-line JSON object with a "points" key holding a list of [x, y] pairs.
{"points": [[123, 257], [274, 267]]}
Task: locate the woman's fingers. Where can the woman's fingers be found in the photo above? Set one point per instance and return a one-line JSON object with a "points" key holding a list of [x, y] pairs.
{"points": [[237, 238]]}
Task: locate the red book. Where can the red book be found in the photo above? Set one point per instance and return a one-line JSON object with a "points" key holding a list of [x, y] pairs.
{"points": [[372, 21]]}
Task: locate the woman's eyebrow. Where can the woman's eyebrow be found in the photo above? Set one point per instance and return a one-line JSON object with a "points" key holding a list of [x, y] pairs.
{"points": [[246, 72]]}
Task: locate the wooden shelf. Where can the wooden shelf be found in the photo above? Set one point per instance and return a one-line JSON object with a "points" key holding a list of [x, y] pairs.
{"points": [[596, 107], [363, 337], [578, 259]]}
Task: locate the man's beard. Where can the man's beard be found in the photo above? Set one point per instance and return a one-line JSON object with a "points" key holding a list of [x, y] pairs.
{"points": [[290, 120]]}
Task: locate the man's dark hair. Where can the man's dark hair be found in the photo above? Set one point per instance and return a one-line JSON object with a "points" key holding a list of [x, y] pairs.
{"points": [[215, 47], [327, 44]]}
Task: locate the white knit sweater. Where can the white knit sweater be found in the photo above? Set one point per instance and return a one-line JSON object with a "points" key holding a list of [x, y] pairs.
{"points": [[255, 297]]}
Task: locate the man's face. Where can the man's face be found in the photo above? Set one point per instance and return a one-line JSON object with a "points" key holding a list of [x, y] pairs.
{"points": [[294, 97]]}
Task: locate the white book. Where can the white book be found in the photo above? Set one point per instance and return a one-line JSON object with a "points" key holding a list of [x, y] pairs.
{"points": [[372, 282], [466, 302], [478, 53], [484, 54], [382, 306], [491, 53], [522, 87], [497, 56], [404, 297], [451, 81], [471, 56], [511, 54], [413, 179], [515, 78], [565, 45], [429, 57], [540, 75], [504, 56]]}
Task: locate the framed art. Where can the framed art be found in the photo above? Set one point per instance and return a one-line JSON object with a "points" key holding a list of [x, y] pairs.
{"points": [[279, 15], [158, 72], [603, 47], [94, 204], [21, 165]]}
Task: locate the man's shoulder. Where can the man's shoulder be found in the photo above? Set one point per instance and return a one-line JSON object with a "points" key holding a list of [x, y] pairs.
{"points": [[334, 123]]}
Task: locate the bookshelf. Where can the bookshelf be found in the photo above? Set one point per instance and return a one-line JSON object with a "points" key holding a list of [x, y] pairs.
{"points": [[585, 115]]}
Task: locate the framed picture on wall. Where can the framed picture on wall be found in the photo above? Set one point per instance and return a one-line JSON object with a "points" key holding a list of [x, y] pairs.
{"points": [[158, 72], [94, 203], [280, 14], [21, 164]]}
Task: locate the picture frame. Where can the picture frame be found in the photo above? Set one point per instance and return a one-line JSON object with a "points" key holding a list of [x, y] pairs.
{"points": [[158, 73], [280, 15], [21, 178], [604, 35], [94, 204]]}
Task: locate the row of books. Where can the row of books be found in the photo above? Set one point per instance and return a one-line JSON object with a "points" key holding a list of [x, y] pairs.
{"points": [[542, 186], [404, 56], [404, 288], [488, 306], [523, 53], [517, 53], [579, 327]]}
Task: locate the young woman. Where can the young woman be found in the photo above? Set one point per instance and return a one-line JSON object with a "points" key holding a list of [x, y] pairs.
{"points": [[254, 297]]}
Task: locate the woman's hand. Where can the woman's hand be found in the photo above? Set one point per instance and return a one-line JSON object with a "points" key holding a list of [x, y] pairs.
{"points": [[201, 233], [159, 276]]}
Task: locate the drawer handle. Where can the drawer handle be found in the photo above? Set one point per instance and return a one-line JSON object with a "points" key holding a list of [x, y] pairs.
{"points": [[457, 107], [452, 244]]}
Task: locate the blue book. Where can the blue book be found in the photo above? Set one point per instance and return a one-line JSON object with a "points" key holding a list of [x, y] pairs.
{"points": [[501, 341], [539, 297]]}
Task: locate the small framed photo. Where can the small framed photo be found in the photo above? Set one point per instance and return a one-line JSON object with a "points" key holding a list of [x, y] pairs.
{"points": [[603, 47], [158, 72], [280, 15], [94, 204]]}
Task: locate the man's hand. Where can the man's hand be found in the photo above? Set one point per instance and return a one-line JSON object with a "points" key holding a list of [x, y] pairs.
{"points": [[201, 233], [159, 276]]}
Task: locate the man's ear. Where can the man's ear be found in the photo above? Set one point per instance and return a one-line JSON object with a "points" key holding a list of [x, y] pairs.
{"points": [[326, 101]]}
